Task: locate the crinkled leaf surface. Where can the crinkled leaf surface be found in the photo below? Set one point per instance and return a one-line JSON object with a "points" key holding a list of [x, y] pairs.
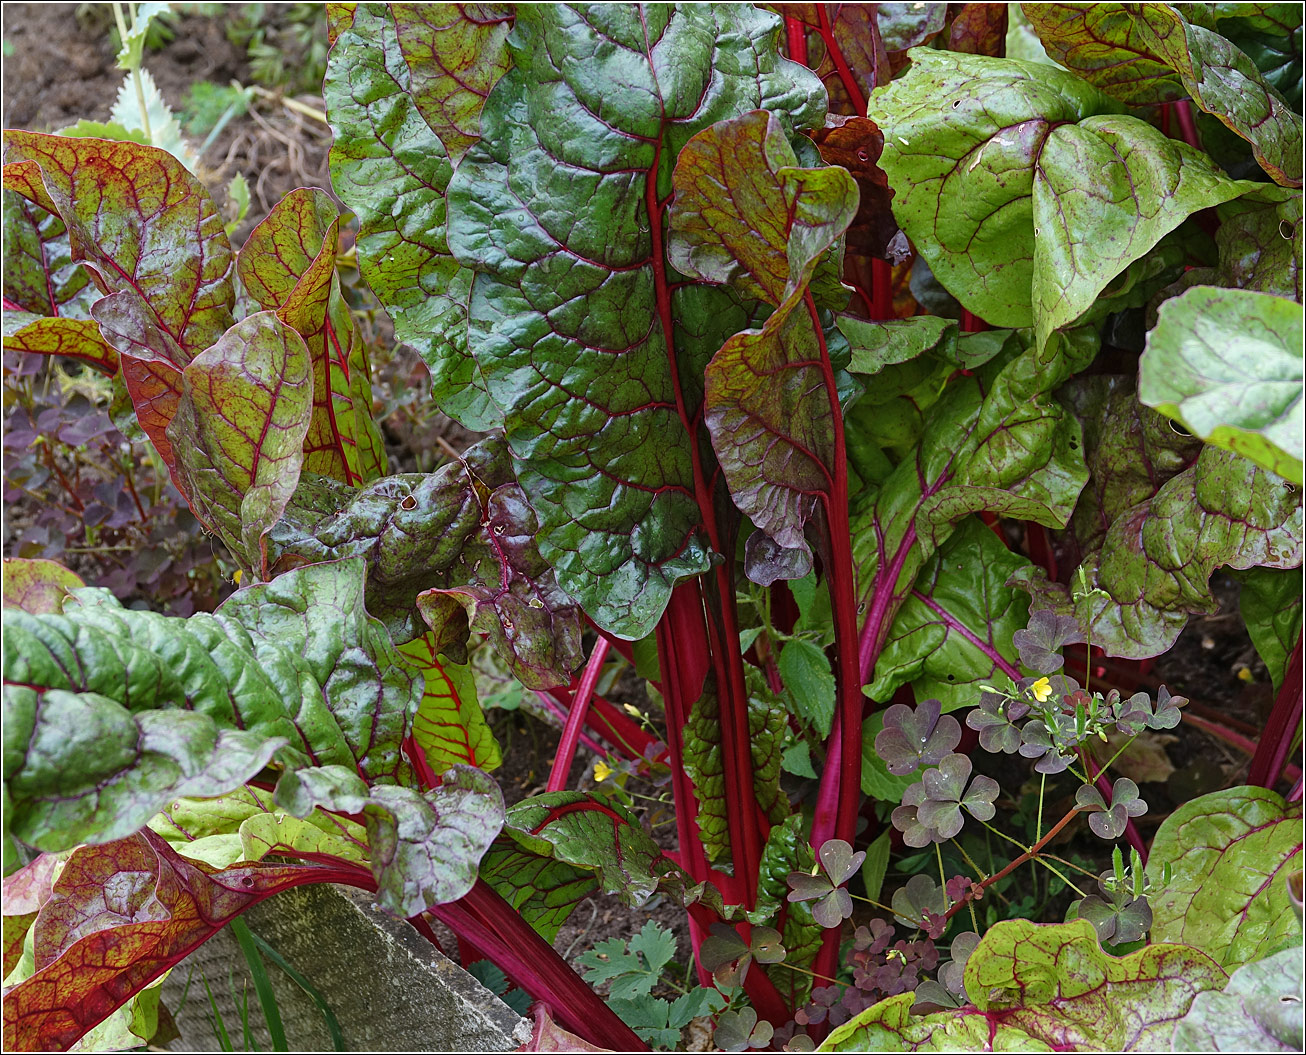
{"points": [[1260, 243], [572, 318], [462, 538], [425, 846], [957, 622], [119, 916], [448, 726], [1226, 363], [1230, 852], [76, 338], [391, 167], [1270, 603], [238, 431], [1156, 557], [745, 215], [1226, 83], [1046, 988], [111, 712], [1259, 1010], [288, 266], [543, 889], [987, 157], [38, 587], [154, 241]]}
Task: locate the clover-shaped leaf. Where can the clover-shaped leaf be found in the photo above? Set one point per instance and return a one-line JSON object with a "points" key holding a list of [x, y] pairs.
{"points": [[1133, 714], [1109, 822], [994, 719], [907, 820], [1041, 642], [912, 738], [1117, 915], [740, 1030], [839, 861], [728, 956], [1167, 710], [946, 794], [948, 991], [912, 903], [833, 904], [1038, 742]]}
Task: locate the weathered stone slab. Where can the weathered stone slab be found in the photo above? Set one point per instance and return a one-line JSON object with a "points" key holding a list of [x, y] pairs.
{"points": [[390, 989]]}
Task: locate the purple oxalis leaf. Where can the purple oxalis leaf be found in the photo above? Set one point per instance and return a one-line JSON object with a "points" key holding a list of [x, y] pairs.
{"points": [[912, 738]]}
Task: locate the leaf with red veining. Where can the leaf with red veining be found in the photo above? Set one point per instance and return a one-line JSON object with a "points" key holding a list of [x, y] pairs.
{"points": [[392, 170], [75, 338], [1046, 987], [544, 890], [119, 915], [572, 305], [288, 266], [24, 892], [465, 529], [448, 726], [339, 18], [856, 144], [510, 594], [37, 586], [979, 29], [455, 53], [239, 431], [746, 215], [154, 242]]}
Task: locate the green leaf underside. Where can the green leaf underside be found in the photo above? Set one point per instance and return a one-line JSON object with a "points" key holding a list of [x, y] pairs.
{"points": [[110, 712], [1226, 363], [392, 170], [988, 157], [1230, 853], [450, 549], [550, 209], [1046, 988]]}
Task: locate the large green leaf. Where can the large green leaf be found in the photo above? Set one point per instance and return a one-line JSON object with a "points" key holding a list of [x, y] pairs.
{"points": [[463, 539], [1230, 853], [1270, 604], [557, 209], [1259, 1010], [392, 170], [238, 431], [1046, 987], [154, 239], [1226, 363], [747, 216], [110, 713], [544, 890], [425, 846], [956, 623], [1157, 556], [1260, 242], [989, 159], [448, 726], [1226, 83], [288, 265]]}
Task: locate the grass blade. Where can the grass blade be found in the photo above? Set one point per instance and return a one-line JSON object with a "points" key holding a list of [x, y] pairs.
{"points": [[332, 1024], [262, 987]]}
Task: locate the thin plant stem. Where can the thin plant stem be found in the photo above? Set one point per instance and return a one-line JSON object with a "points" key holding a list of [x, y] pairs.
{"points": [[1038, 822], [1040, 859], [1070, 864], [135, 68]]}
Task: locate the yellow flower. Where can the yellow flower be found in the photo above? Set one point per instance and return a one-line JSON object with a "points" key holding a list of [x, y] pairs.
{"points": [[236, 578], [602, 771], [631, 709], [1041, 689]]}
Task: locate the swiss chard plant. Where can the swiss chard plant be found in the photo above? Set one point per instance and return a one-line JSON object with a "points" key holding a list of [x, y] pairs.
{"points": [[859, 387]]}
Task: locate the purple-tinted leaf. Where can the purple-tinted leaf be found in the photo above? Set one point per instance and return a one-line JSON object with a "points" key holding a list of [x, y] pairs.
{"points": [[40, 276], [946, 794], [1157, 557], [1117, 916], [154, 241], [1110, 823], [745, 215], [1040, 987], [740, 1030], [1259, 1010], [912, 738], [288, 266], [726, 955], [1226, 364], [455, 53], [1132, 714], [425, 846], [36, 586], [1040, 643], [1260, 243], [1048, 746], [544, 890], [855, 143], [571, 295], [392, 169], [464, 528], [25, 892], [920, 895], [119, 916], [979, 29], [1226, 83], [839, 861], [1228, 853], [906, 818]]}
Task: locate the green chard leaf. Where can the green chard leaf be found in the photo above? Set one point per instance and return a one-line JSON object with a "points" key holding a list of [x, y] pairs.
{"points": [[239, 428], [1229, 853], [449, 727], [452, 549], [38, 587], [544, 890], [1046, 988], [154, 241], [391, 166], [1270, 604], [988, 156], [288, 265], [571, 299], [1226, 363], [1259, 1010], [111, 713], [747, 216], [1260, 243]]}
